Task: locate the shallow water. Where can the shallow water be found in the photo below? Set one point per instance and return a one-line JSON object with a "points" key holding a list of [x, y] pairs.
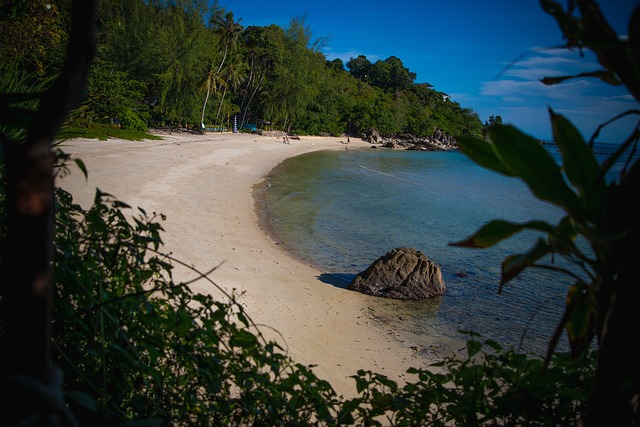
{"points": [[339, 211]]}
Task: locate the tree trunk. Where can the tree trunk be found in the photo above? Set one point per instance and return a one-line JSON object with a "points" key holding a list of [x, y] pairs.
{"points": [[244, 116], [616, 389], [224, 92], [204, 106], [28, 255], [246, 91], [615, 397]]}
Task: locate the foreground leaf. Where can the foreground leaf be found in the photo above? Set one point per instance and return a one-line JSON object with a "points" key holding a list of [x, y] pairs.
{"points": [[514, 264], [525, 158], [498, 230]]}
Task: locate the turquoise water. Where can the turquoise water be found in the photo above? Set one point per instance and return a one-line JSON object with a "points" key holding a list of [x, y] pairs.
{"points": [[341, 210]]}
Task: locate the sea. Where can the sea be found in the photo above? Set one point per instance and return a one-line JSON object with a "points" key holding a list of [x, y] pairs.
{"points": [[341, 210]]}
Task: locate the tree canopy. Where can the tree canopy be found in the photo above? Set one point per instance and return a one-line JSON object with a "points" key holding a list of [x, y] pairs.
{"points": [[182, 62]]}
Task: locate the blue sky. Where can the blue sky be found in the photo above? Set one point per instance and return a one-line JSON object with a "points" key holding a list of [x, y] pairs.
{"points": [[487, 55]]}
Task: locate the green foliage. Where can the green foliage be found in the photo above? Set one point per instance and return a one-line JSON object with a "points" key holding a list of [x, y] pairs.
{"points": [[137, 347], [112, 96], [20, 91], [134, 345], [104, 132], [515, 154], [192, 62], [580, 186], [130, 120], [490, 386], [391, 75], [34, 35], [359, 67], [596, 240]]}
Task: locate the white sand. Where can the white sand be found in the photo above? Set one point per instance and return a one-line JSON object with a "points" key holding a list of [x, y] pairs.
{"points": [[204, 186]]}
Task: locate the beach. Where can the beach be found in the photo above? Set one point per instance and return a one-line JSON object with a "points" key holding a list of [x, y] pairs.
{"points": [[204, 185]]}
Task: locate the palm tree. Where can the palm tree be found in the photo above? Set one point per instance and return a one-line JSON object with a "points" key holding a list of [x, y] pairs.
{"points": [[232, 77], [211, 82], [229, 30], [261, 55]]}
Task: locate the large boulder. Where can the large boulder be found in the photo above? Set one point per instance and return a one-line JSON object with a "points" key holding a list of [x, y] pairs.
{"points": [[403, 273], [371, 136]]}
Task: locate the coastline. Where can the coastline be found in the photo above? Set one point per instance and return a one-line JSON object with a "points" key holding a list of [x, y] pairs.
{"points": [[204, 185]]}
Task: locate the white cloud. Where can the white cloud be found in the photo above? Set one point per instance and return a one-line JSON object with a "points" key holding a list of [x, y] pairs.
{"points": [[625, 98], [538, 67], [586, 102], [514, 89]]}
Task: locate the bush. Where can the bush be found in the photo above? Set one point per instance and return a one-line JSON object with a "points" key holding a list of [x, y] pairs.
{"points": [[136, 346], [130, 120]]}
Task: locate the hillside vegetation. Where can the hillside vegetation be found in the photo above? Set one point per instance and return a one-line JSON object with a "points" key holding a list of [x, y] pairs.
{"points": [[188, 63]]}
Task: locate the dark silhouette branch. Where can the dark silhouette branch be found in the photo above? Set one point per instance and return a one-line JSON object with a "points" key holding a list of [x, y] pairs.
{"points": [[27, 264]]}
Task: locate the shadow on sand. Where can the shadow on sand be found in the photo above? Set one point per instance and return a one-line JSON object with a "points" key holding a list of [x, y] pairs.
{"points": [[339, 280]]}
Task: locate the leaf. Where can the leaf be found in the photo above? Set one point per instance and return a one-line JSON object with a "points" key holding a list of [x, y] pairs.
{"points": [[498, 230], [604, 75], [493, 345], [483, 153], [580, 317], [82, 167], [514, 264], [473, 348], [83, 399], [568, 24], [525, 157], [581, 303], [580, 165], [243, 339], [118, 205], [242, 318]]}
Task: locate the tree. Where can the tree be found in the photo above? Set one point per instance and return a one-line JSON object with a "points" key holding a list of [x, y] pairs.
{"points": [[231, 79], [111, 96], [260, 57], [494, 120], [359, 67], [28, 251], [33, 34], [599, 233], [182, 47], [336, 64], [291, 87], [229, 31]]}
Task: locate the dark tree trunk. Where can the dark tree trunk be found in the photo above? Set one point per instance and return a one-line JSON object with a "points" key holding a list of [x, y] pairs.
{"points": [[615, 399], [28, 252]]}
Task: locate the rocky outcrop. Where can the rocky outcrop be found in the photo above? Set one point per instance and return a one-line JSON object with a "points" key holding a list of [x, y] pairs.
{"points": [[438, 142], [403, 273], [371, 136]]}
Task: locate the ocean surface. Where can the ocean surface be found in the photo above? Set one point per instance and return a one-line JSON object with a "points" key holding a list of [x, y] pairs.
{"points": [[341, 210]]}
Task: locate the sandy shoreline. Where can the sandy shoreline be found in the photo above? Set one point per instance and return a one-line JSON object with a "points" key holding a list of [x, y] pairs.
{"points": [[204, 185]]}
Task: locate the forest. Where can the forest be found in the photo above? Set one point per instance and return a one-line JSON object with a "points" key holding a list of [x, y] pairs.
{"points": [[193, 64], [93, 328]]}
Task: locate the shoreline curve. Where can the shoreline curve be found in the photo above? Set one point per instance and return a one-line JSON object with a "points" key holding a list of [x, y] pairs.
{"points": [[183, 176]]}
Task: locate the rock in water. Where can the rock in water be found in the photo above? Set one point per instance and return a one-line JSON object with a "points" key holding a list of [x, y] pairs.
{"points": [[403, 273]]}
